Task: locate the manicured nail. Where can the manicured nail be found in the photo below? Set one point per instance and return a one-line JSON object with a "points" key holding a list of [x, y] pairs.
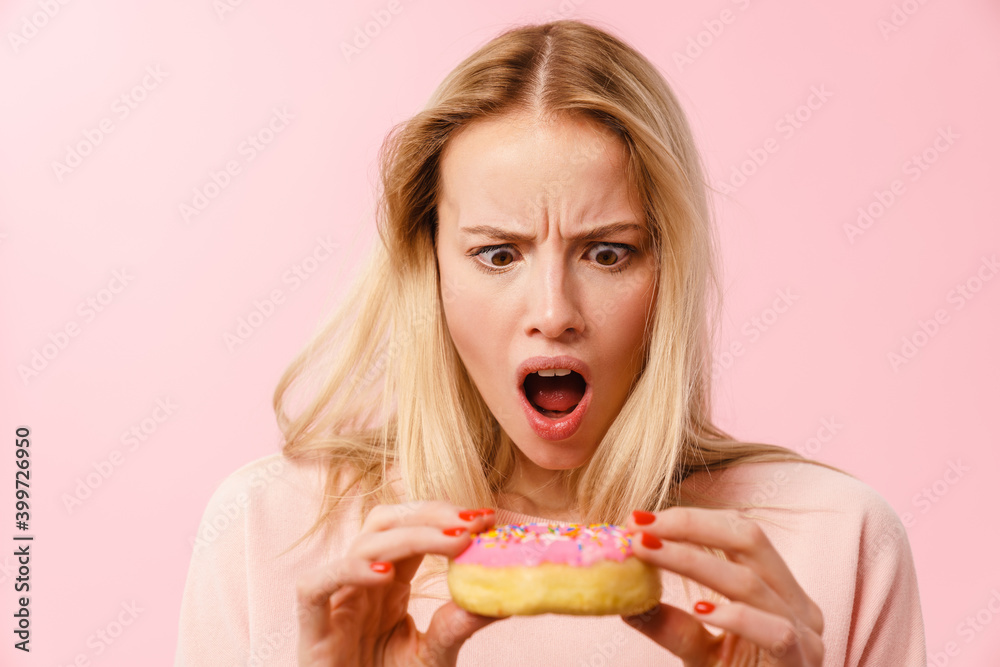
{"points": [[485, 511], [381, 567], [704, 607], [453, 532], [468, 515], [643, 518], [651, 541]]}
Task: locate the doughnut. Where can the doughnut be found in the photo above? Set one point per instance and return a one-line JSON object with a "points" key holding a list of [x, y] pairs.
{"points": [[540, 568]]}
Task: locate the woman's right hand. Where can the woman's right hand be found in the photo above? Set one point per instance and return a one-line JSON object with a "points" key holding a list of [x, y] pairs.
{"points": [[354, 611]]}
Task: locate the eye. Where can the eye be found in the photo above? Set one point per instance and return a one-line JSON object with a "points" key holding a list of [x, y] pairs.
{"points": [[613, 256], [495, 257]]}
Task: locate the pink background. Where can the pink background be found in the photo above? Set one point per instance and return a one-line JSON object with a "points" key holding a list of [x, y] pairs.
{"points": [[160, 336]]}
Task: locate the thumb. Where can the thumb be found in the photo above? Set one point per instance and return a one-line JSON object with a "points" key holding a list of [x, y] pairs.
{"points": [[677, 631], [450, 627]]}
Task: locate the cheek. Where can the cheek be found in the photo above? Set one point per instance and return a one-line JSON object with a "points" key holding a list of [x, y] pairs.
{"points": [[626, 313], [471, 320], [630, 336]]}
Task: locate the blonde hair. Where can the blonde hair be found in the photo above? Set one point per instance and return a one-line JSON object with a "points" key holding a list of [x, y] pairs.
{"points": [[382, 385]]}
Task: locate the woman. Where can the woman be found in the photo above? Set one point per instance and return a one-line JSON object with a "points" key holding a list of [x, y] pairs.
{"points": [[546, 212]]}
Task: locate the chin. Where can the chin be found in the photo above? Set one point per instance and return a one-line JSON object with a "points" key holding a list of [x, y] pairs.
{"points": [[558, 455]]}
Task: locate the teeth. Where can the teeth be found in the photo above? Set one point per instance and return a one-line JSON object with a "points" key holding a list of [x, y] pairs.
{"points": [[549, 372]]}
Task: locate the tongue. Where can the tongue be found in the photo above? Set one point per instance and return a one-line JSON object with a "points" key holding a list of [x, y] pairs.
{"points": [[557, 393]]}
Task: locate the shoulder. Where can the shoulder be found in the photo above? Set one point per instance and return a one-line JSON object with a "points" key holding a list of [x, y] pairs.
{"points": [[845, 545], [273, 496], [277, 478], [241, 579], [272, 475], [794, 484], [809, 499]]}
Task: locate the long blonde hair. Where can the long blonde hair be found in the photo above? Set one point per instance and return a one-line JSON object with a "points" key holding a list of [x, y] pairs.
{"points": [[381, 384]]}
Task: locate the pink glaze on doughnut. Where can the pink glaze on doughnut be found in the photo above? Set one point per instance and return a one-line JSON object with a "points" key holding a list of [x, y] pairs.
{"points": [[534, 543]]}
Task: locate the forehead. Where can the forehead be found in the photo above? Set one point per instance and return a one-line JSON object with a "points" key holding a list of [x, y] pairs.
{"points": [[576, 138], [517, 164]]}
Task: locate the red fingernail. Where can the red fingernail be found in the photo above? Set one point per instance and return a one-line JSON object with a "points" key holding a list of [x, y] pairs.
{"points": [[468, 515], [704, 607], [651, 541], [381, 567], [453, 532], [486, 511], [643, 518]]}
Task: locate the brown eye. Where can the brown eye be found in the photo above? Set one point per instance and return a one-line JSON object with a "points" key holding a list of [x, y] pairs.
{"points": [[504, 256], [607, 257], [611, 255], [494, 258]]}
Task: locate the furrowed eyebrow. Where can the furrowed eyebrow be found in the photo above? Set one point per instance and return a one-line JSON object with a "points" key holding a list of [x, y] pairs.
{"points": [[508, 235]]}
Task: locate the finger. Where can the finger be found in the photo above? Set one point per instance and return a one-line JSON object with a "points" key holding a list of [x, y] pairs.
{"points": [[785, 642], [315, 587], [431, 512], [736, 581], [449, 629], [445, 516], [744, 541], [677, 631], [399, 544], [721, 529]]}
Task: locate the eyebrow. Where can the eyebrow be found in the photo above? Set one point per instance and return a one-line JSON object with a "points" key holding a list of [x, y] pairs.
{"points": [[508, 235]]}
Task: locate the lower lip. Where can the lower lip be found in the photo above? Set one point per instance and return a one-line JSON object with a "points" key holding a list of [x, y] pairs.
{"points": [[555, 429]]}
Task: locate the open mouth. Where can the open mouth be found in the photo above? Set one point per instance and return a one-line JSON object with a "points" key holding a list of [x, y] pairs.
{"points": [[554, 393]]}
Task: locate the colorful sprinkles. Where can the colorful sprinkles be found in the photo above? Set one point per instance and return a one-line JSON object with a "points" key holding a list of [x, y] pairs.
{"points": [[578, 544]]}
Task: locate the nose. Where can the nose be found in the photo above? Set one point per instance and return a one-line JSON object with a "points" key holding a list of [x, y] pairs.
{"points": [[553, 300]]}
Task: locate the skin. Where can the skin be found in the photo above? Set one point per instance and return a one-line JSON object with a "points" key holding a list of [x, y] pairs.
{"points": [[352, 614], [767, 609], [552, 293], [550, 180]]}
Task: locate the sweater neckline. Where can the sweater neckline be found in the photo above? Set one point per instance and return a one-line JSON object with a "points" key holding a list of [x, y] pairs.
{"points": [[507, 516]]}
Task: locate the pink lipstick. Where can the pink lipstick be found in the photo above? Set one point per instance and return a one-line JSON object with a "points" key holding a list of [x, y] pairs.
{"points": [[552, 425]]}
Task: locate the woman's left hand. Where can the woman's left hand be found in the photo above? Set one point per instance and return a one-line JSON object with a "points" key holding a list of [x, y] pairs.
{"points": [[768, 610]]}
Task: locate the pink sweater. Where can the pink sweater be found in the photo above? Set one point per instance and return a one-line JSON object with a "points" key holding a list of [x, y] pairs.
{"points": [[843, 542]]}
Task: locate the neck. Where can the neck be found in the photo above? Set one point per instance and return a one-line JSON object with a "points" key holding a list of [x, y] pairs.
{"points": [[539, 492]]}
